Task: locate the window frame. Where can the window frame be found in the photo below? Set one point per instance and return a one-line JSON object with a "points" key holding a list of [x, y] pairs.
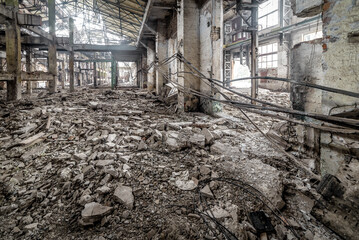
{"points": [[272, 54]]}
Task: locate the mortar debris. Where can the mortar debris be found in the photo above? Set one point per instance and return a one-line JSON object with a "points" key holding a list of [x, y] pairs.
{"points": [[119, 164]]}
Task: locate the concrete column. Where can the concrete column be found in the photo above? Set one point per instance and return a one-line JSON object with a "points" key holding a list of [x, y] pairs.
{"points": [[143, 83], [88, 81], [28, 69], [217, 39], [52, 46], [13, 54], [71, 59], [94, 75], [79, 76], [151, 74], [254, 51], [2, 84], [161, 53], [211, 52], [113, 72], [188, 33], [63, 73]]}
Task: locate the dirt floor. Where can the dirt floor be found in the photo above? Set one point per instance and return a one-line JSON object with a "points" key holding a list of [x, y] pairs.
{"points": [[103, 164]]}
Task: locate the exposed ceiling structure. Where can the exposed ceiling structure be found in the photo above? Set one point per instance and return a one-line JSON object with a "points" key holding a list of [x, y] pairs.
{"points": [[122, 18]]}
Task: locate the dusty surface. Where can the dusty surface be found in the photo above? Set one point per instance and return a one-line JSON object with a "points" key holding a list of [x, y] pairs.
{"points": [[101, 164]]}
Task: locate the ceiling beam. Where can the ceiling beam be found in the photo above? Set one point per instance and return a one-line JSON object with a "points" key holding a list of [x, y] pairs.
{"points": [[144, 20]]}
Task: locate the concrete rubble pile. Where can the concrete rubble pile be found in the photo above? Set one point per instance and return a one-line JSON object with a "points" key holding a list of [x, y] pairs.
{"points": [[102, 164]]}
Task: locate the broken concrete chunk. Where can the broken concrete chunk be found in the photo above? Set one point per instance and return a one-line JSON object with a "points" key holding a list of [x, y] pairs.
{"points": [[172, 144], [123, 194], [218, 148], [204, 170], [111, 138], [88, 169], [206, 191], [103, 190], [103, 163], [208, 136], [80, 156], [265, 178], [111, 170], [66, 174], [84, 199], [142, 146], [187, 185], [157, 135], [57, 110], [198, 140], [94, 211], [31, 226], [218, 212], [94, 105]]}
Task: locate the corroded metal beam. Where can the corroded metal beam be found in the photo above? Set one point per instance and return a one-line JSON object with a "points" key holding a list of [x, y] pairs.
{"points": [[22, 19], [144, 20], [27, 76]]}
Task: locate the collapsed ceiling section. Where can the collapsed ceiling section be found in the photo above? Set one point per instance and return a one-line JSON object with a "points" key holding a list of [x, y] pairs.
{"points": [[96, 20]]}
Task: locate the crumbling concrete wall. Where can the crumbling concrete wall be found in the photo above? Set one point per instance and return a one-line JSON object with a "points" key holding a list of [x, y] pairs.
{"points": [[151, 74], [331, 62], [341, 61], [211, 46], [306, 66], [307, 8], [188, 45]]}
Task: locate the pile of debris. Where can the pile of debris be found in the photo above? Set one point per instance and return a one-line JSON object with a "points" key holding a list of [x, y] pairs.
{"points": [[102, 164]]}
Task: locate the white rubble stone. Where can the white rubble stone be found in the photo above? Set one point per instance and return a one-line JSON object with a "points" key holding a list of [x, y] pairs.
{"points": [[204, 170], [103, 190], [206, 191], [93, 105], [126, 167], [80, 156], [66, 174], [111, 138], [84, 199], [103, 163], [197, 140], [31, 226], [208, 135], [263, 177], [142, 146], [172, 144], [94, 211], [123, 194], [218, 148], [218, 212], [111, 170], [57, 110]]}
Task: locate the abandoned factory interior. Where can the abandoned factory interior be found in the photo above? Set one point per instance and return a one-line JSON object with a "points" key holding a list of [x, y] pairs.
{"points": [[179, 119]]}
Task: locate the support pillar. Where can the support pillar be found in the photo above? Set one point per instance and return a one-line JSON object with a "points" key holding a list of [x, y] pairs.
{"points": [[13, 54], [63, 73], [161, 52], [88, 81], [211, 45], [94, 75], [254, 50], [143, 83], [52, 46], [71, 58], [189, 46], [151, 74], [28, 69], [113, 72], [79, 76]]}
